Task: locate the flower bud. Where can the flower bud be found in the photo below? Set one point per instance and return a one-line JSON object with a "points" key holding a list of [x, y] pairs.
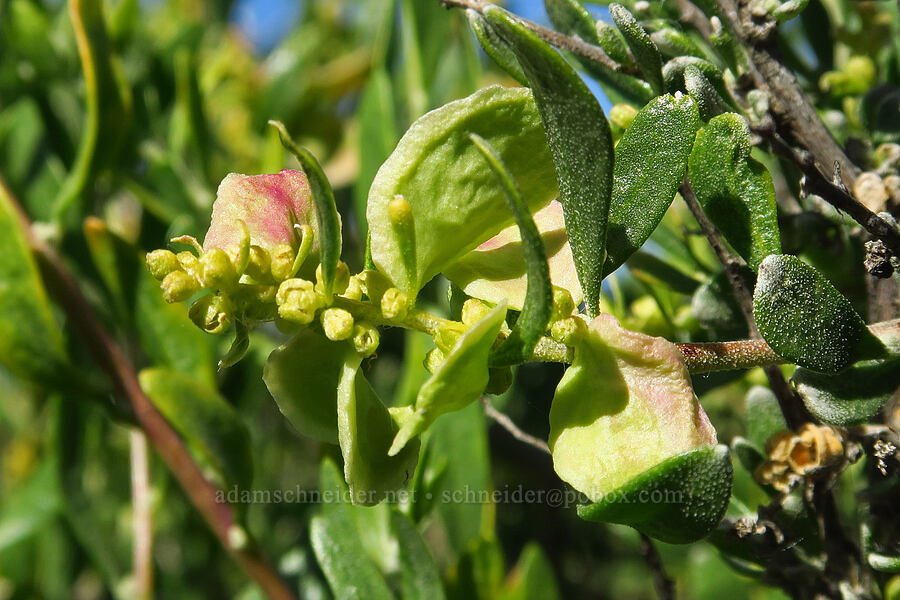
{"points": [[297, 301], [282, 262], [216, 270], [447, 335], [212, 313], [472, 311], [189, 262], [341, 278], [374, 284], [178, 286], [563, 304], [337, 323], [259, 264], [162, 262], [568, 331], [365, 339], [354, 289], [622, 115], [394, 304]]}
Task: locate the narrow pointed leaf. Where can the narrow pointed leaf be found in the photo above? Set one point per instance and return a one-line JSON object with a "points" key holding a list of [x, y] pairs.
{"points": [[211, 427], [329, 222], [704, 94], [806, 320], [31, 345], [650, 162], [532, 578], [455, 202], [302, 375], [456, 383], [736, 191], [419, 576], [572, 18], [350, 573], [581, 144], [494, 46], [365, 433], [538, 306], [645, 52]]}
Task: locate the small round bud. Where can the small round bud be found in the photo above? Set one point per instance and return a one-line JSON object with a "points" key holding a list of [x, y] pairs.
{"points": [[216, 270], [178, 286], [337, 323], [563, 304], [568, 331], [394, 304], [354, 289], [622, 115], [447, 335], [399, 211], [297, 300], [212, 313], [341, 278], [189, 262], [162, 262], [500, 380], [434, 359], [259, 264], [282, 261], [473, 310], [365, 339]]}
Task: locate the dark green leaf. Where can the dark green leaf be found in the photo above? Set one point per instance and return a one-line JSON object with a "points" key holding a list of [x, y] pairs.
{"points": [[736, 192], [420, 579], [494, 46], [806, 320], [302, 376], [572, 18], [704, 94], [852, 397], [763, 415], [538, 306], [650, 162], [645, 52], [581, 144], [674, 74], [329, 230], [350, 573], [211, 427], [691, 494]]}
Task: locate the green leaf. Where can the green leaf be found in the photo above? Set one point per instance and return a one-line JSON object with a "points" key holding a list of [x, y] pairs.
{"points": [[736, 192], [365, 433], [302, 375], [31, 345], [532, 578], [651, 159], [806, 320], [496, 270], [350, 573], [419, 576], [457, 382], [763, 415], [572, 18], [717, 310], [678, 501], [649, 266], [581, 144], [538, 306], [674, 74], [625, 405], [451, 190], [329, 221], [107, 104], [702, 91], [645, 52], [494, 46], [852, 397], [209, 425]]}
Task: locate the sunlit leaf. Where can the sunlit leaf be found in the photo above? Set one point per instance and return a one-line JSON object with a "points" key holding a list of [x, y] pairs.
{"points": [[645, 52]]}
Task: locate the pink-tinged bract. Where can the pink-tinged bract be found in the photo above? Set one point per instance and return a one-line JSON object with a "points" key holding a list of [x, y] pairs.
{"points": [[269, 204]]}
